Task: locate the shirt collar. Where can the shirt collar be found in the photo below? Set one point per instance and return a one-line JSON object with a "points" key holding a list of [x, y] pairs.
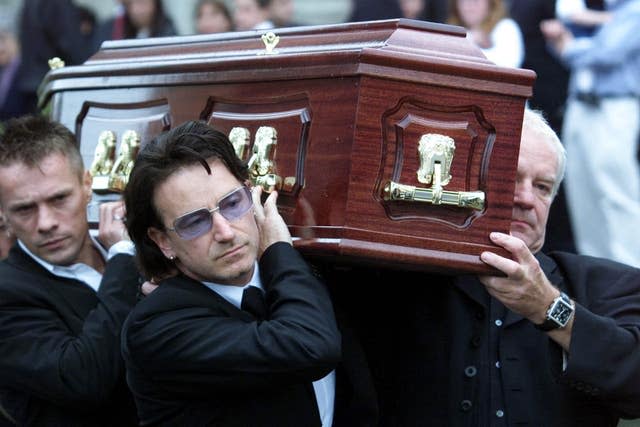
{"points": [[233, 294], [78, 271]]}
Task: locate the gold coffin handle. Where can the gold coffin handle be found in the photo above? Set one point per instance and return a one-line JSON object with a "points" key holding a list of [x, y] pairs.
{"points": [[261, 167], [240, 138], [103, 159], [435, 152], [119, 175], [464, 199], [260, 164]]}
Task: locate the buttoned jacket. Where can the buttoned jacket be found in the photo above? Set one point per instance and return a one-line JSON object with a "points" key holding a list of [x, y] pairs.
{"points": [[193, 358], [60, 360], [447, 354]]}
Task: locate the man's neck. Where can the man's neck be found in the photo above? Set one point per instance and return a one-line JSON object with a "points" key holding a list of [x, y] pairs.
{"points": [[91, 255]]}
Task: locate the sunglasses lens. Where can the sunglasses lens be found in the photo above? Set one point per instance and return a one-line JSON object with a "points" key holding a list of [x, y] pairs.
{"points": [[231, 207], [193, 224], [236, 204]]}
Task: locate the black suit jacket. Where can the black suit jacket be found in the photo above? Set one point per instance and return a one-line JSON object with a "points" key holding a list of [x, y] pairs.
{"points": [[60, 362], [444, 353], [195, 359]]}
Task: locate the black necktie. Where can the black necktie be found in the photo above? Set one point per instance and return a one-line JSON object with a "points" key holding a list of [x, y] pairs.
{"points": [[254, 303]]}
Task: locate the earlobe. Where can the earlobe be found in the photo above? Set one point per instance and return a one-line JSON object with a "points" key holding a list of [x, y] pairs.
{"points": [[87, 180], [159, 237]]}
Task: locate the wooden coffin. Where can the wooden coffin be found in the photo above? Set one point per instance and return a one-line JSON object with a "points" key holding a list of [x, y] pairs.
{"points": [[390, 142]]}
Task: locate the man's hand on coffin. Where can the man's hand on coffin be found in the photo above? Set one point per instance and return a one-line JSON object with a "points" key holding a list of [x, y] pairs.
{"points": [[111, 228], [271, 226], [525, 289]]}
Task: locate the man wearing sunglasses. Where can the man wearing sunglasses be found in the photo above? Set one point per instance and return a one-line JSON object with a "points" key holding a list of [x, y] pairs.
{"points": [[200, 350]]}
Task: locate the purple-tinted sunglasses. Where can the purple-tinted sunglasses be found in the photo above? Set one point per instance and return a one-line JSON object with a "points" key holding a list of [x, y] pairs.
{"points": [[196, 223]]}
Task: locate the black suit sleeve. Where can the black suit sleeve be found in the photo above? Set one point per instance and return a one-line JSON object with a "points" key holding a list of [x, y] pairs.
{"points": [[197, 345], [604, 357], [46, 352]]}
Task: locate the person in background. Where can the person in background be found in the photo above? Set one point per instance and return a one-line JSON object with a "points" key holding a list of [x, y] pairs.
{"points": [[239, 330], [138, 19], [112, 28], [87, 23], [489, 27], [64, 293], [13, 103], [252, 15], [425, 10], [412, 9], [281, 13], [549, 340], [583, 17], [601, 132], [212, 16], [48, 29], [371, 10]]}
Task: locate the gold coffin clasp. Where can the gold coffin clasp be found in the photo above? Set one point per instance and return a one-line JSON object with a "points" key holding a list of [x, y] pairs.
{"points": [[270, 41], [436, 154]]}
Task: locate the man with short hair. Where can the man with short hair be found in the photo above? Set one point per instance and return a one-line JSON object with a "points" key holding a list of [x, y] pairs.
{"points": [[64, 293], [553, 341], [239, 331]]}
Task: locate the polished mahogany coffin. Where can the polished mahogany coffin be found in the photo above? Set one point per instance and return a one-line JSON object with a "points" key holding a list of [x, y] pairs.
{"points": [[392, 142]]}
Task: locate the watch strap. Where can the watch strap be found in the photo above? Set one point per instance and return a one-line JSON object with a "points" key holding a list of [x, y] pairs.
{"points": [[549, 323]]}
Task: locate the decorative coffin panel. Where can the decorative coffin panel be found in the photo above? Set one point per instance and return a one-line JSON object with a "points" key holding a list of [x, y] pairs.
{"points": [[288, 121], [420, 137], [110, 135]]}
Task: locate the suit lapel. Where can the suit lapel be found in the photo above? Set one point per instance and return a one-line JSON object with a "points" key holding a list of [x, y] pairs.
{"points": [[472, 287], [200, 295], [69, 295], [551, 270]]}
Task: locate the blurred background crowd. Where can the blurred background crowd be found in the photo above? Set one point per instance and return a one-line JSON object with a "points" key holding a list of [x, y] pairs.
{"points": [[586, 54]]}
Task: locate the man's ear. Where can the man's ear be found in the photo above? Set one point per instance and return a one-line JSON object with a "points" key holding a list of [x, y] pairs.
{"points": [[161, 239], [87, 180]]}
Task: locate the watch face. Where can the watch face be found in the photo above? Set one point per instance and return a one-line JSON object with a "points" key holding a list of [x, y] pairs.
{"points": [[561, 312]]}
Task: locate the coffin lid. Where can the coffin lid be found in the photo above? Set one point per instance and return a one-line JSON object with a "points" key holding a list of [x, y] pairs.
{"points": [[398, 49]]}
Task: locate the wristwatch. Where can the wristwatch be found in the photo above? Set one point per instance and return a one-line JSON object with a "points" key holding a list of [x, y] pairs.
{"points": [[559, 313]]}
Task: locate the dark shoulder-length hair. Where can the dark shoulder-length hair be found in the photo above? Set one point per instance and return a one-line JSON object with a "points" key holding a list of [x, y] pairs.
{"points": [[193, 142], [496, 13], [160, 27]]}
